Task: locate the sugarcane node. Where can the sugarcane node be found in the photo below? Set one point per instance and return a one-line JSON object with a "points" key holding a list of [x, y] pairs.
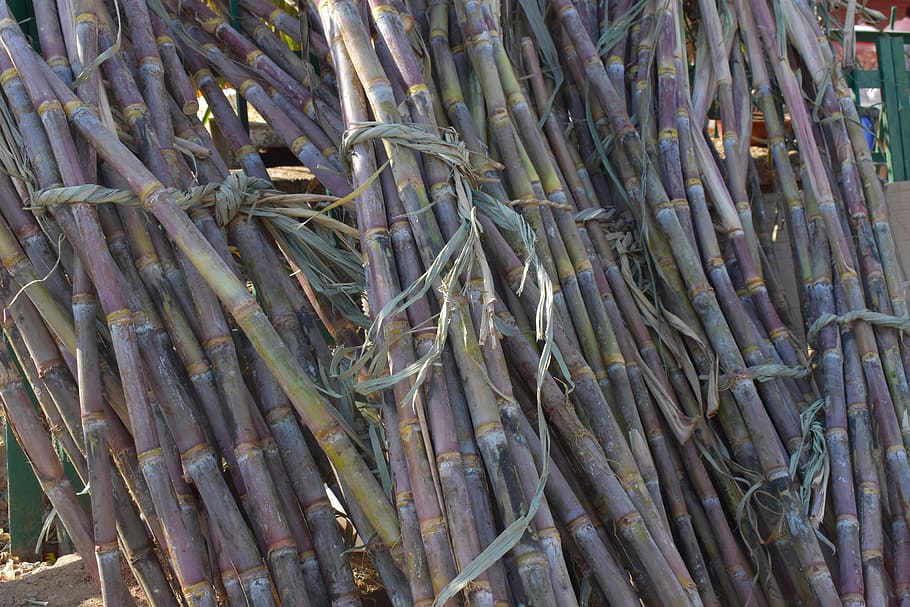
{"points": [[196, 591], [284, 545], [90, 18], [14, 259], [8, 75], [123, 316], [107, 548], [150, 457], [195, 455], [58, 61], [434, 525], [53, 105]]}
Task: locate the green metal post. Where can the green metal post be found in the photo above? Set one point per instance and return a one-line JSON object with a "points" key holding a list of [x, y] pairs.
{"points": [[893, 80], [892, 62], [25, 496], [25, 507], [902, 84], [25, 500], [25, 13]]}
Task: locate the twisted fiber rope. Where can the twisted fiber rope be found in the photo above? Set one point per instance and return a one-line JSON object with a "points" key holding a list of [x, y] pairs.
{"points": [[238, 191], [762, 373]]}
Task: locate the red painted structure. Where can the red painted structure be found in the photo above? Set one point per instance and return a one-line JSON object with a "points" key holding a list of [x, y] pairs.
{"points": [[865, 51]]}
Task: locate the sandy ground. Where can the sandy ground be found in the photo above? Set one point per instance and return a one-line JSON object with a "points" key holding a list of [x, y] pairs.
{"points": [[67, 584], [63, 584]]}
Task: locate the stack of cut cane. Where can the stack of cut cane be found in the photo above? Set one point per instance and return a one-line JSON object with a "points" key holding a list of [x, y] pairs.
{"points": [[526, 332]]}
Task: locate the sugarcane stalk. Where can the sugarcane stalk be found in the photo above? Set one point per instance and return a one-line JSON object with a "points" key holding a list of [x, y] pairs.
{"points": [[151, 75], [668, 137], [37, 145], [611, 499], [178, 83], [374, 227], [439, 413], [60, 431], [270, 520], [512, 155], [394, 582], [51, 39], [47, 262], [654, 432], [588, 315], [415, 561], [218, 26], [744, 389], [276, 48], [545, 526], [233, 593], [36, 350], [475, 477], [822, 300], [861, 166], [237, 300], [121, 325], [140, 119], [884, 409], [736, 178], [428, 237], [326, 557], [582, 529], [901, 552], [251, 90], [875, 278]]}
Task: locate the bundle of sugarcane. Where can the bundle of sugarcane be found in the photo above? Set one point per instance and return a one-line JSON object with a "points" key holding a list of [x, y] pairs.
{"points": [[532, 336]]}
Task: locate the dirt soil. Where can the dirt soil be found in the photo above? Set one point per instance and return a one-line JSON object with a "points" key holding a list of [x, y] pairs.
{"points": [[63, 584]]}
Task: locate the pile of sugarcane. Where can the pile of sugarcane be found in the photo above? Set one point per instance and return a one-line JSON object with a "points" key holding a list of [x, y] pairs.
{"points": [[524, 341]]}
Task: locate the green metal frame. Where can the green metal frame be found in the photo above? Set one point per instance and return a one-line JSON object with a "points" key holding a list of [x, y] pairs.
{"points": [[25, 13], [24, 500], [893, 80], [24, 495]]}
